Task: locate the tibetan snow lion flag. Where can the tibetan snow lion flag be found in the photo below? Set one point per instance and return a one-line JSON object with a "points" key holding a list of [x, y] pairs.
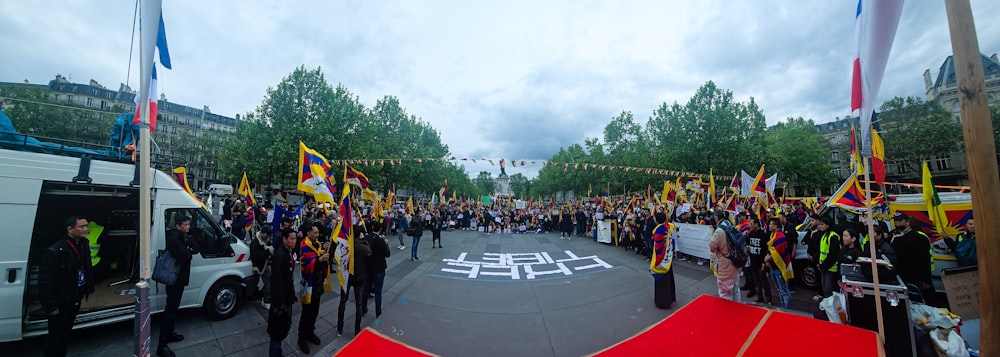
{"points": [[246, 192], [663, 249], [344, 237], [780, 254], [849, 196], [355, 177], [314, 174], [180, 175]]}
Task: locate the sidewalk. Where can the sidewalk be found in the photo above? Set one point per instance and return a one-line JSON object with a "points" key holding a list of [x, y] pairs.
{"points": [[448, 313]]}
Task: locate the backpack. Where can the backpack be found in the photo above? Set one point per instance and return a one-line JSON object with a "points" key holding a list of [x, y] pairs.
{"points": [[737, 245]]}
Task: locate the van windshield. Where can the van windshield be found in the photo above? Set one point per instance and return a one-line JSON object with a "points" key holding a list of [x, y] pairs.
{"points": [[211, 240]]}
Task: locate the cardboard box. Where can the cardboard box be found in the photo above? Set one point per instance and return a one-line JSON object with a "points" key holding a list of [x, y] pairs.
{"points": [[962, 287]]}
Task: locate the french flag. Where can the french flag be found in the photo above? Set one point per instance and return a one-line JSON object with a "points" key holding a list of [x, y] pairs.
{"points": [[161, 47], [874, 30], [152, 104]]}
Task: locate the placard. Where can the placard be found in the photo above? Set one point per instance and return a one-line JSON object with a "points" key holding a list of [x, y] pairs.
{"points": [[962, 287], [692, 239]]}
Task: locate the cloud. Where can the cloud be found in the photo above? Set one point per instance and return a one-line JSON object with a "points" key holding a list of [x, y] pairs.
{"points": [[517, 79]]}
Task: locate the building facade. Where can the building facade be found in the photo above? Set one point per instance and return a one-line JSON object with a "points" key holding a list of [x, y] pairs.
{"points": [[949, 169], [191, 136]]}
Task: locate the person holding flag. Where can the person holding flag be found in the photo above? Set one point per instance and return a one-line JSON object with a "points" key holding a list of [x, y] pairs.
{"points": [[664, 290], [779, 260], [351, 253], [314, 261]]}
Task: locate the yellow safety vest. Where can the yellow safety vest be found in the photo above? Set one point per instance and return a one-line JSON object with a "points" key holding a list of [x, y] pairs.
{"points": [[824, 247], [930, 249], [95, 232]]}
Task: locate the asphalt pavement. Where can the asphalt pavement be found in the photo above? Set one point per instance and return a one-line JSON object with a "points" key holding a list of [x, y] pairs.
{"points": [[483, 295]]}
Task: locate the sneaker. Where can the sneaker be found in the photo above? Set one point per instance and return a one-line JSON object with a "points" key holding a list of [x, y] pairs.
{"points": [[817, 297], [701, 262], [267, 306], [402, 247]]}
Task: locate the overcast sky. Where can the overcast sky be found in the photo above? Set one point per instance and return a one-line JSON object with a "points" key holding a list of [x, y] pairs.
{"points": [[511, 79]]}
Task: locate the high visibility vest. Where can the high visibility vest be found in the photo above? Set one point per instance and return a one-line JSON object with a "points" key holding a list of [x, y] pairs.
{"points": [[824, 247], [864, 242], [930, 249], [95, 232]]}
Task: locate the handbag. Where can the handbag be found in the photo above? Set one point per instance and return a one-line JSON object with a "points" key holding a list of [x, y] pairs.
{"points": [[165, 270]]}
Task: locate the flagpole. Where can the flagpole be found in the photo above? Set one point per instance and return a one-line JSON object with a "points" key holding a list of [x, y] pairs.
{"points": [[874, 256], [981, 156], [148, 26]]}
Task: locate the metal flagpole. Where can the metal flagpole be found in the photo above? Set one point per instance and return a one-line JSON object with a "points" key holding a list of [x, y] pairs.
{"points": [[149, 20], [871, 247]]}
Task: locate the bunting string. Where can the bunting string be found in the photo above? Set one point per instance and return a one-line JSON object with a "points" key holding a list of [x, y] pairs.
{"points": [[523, 163]]}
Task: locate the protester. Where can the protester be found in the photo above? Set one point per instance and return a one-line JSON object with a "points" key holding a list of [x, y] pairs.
{"points": [[851, 250], [314, 261], [778, 261], [355, 281], [912, 253], [727, 273], [64, 278], [436, 225], [179, 244], [416, 228], [662, 261], [829, 254], [375, 266], [756, 273], [964, 245], [279, 315], [260, 254]]}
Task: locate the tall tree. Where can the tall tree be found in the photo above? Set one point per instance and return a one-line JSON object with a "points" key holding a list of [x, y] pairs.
{"points": [[798, 153], [520, 185], [915, 130], [711, 131], [485, 182]]}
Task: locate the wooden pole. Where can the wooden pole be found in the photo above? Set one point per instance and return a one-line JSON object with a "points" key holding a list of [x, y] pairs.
{"points": [[872, 249], [981, 157]]}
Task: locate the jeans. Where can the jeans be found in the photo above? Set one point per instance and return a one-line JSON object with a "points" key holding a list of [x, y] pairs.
{"points": [[59, 330], [378, 280], [274, 348], [413, 248], [343, 305], [782, 286], [760, 280], [169, 314], [399, 235]]}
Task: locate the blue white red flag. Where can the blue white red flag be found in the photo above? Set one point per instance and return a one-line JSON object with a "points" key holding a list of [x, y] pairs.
{"points": [[874, 30]]}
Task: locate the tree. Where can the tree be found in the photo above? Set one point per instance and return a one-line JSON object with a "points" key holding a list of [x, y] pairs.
{"points": [[520, 185], [915, 130], [711, 131], [33, 112], [795, 147], [485, 182], [995, 117]]}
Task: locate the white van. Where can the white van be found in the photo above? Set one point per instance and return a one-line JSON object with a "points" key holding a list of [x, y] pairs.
{"points": [[39, 191], [220, 189]]}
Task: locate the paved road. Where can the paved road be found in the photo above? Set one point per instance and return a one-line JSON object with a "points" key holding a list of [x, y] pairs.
{"points": [[523, 295]]}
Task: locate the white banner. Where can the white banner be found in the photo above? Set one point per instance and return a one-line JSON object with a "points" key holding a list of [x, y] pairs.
{"points": [[604, 231], [692, 239]]}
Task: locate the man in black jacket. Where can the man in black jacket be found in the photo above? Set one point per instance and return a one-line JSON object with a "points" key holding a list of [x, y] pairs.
{"points": [[375, 270], [64, 277], [279, 315], [178, 243]]}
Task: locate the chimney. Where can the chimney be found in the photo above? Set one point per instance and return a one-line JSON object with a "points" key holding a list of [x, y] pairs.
{"points": [[125, 88], [94, 83], [207, 110], [163, 97]]}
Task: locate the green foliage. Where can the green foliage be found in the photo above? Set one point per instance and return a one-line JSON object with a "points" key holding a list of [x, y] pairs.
{"points": [[34, 113], [520, 185], [485, 183], [795, 147], [915, 130], [304, 107], [995, 118]]}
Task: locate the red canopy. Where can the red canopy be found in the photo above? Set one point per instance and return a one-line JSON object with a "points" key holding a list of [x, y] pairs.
{"points": [[710, 326]]}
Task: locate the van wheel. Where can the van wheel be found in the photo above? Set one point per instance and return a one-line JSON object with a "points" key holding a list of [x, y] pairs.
{"points": [[222, 299], [808, 274]]}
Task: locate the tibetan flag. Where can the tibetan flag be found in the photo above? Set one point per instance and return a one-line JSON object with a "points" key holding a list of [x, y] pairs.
{"points": [[849, 196], [246, 192], [669, 195], [663, 249], [735, 184], [152, 104], [935, 211], [355, 177], [409, 206], [314, 175], [759, 185], [878, 158], [444, 189], [180, 175], [780, 255], [711, 189], [875, 25], [344, 236]]}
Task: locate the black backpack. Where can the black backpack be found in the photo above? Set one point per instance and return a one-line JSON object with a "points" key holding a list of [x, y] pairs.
{"points": [[737, 245]]}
